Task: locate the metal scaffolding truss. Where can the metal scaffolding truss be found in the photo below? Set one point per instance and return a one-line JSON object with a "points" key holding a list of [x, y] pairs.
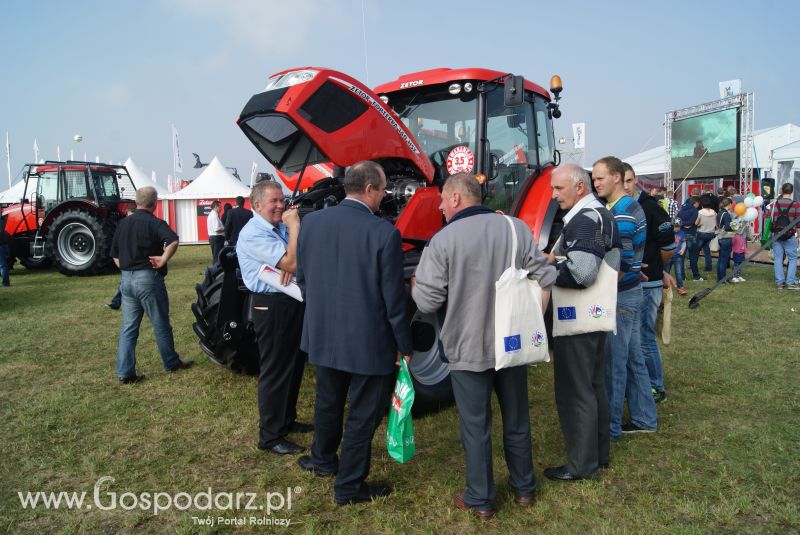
{"points": [[744, 101]]}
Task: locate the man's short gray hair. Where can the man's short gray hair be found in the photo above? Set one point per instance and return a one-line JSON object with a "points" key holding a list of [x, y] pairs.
{"points": [[578, 174], [146, 197], [360, 174], [466, 184], [257, 193]]}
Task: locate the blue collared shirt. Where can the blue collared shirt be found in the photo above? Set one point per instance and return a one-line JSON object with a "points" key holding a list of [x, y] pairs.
{"points": [[260, 243]]}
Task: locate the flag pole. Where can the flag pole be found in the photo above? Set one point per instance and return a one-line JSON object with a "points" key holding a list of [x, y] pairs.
{"points": [[8, 159]]}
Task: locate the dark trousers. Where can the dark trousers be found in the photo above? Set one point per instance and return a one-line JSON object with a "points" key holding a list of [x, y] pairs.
{"points": [[278, 322], [217, 243], [725, 248], [369, 401], [473, 393], [579, 373]]}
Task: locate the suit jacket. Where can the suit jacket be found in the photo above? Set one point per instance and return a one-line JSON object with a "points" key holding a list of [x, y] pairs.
{"points": [[350, 270], [235, 221]]}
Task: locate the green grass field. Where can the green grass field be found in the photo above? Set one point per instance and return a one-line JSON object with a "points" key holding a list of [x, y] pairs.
{"points": [[725, 459]]}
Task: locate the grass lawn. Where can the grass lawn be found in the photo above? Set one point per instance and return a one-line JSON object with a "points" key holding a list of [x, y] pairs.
{"points": [[726, 458]]}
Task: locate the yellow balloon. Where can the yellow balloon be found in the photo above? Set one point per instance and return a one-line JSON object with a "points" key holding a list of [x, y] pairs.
{"points": [[739, 209]]}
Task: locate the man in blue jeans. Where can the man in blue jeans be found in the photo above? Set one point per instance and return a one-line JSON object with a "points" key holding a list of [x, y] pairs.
{"points": [[787, 246], [688, 220], [626, 372], [141, 248]]}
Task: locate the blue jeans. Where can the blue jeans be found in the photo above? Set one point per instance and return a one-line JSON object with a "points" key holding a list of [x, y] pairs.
{"points": [[704, 243], [651, 300], [144, 291], [725, 248], [4, 263], [789, 249], [626, 372], [677, 262], [693, 252]]}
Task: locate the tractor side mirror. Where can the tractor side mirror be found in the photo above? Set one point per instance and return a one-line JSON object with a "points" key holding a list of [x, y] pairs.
{"points": [[514, 94], [494, 163]]}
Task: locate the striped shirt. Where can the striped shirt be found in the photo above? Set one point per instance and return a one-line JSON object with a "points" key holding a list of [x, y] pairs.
{"points": [[793, 212], [632, 227]]}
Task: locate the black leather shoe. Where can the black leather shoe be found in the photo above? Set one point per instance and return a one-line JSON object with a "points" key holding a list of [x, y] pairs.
{"points": [[306, 463], [130, 380], [113, 306], [366, 494], [182, 365], [560, 473], [300, 427], [284, 447]]}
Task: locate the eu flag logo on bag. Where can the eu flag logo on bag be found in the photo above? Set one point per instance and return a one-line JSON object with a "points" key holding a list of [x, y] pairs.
{"points": [[567, 313], [512, 343]]}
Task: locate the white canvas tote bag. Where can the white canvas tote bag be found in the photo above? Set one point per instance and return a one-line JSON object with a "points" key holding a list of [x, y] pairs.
{"points": [[591, 309], [519, 332]]}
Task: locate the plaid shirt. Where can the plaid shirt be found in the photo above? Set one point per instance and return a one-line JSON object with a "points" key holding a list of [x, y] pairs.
{"points": [[672, 209], [794, 212]]}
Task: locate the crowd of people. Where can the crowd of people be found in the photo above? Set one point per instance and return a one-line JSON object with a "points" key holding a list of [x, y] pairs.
{"points": [[617, 246]]}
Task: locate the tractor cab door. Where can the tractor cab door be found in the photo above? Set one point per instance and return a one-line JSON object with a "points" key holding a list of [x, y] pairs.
{"points": [[46, 193]]}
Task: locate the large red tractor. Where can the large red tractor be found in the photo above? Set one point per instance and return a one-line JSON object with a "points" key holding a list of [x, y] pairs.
{"points": [[67, 215], [421, 128]]}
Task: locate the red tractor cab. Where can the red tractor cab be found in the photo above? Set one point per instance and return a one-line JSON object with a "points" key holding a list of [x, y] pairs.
{"points": [[422, 128], [68, 215]]}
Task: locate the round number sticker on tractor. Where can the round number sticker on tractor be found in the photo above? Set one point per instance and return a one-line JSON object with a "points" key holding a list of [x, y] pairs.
{"points": [[460, 160]]}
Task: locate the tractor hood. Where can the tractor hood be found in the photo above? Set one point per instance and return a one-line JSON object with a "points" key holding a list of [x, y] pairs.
{"points": [[313, 115]]}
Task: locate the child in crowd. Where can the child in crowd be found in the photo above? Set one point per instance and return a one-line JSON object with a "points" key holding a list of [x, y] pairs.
{"points": [[678, 257], [742, 230]]}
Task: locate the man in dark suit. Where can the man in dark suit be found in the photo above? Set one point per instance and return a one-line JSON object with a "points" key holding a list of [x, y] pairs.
{"points": [[350, 269], [235, 220]]}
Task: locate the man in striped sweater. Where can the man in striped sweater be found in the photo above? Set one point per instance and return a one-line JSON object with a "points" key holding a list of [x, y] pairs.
{"points": [[626, 369]]}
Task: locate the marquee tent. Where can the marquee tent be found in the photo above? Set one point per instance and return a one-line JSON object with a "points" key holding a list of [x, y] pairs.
{"points": [[786, 166], [140, 179], [189, 207], [14, 193]]}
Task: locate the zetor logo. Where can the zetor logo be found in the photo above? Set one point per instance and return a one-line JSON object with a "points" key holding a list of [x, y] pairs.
{"points": [[597, 311], [537, 339], [415, 83]]}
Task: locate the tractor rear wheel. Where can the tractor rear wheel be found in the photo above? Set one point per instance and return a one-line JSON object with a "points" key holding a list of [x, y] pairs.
{"points": [[239, 355], [79, 242], [429, 372]]}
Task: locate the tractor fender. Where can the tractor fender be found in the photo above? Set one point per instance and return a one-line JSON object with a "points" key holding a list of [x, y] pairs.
{"points": [[74, 204]]}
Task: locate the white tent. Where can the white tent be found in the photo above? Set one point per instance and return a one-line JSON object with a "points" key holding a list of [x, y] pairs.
{"points": [[140, 178], [189, 206], [786, 166], [14, 194]]}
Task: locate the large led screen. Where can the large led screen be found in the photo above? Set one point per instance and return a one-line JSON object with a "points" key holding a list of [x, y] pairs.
{"points": [[706, 146]]}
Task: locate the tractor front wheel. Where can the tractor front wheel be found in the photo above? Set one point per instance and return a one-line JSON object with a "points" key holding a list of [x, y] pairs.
{"points": [[79, 242]]}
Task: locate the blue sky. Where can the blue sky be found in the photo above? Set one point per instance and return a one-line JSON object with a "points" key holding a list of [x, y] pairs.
{"points": [[119, 73]]}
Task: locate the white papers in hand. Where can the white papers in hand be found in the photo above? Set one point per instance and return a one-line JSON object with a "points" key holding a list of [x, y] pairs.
{"points": [[272, 276]]}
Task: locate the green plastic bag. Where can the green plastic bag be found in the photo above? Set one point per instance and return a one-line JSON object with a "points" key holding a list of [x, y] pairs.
{"points": [[400, 431], [766, 234]]}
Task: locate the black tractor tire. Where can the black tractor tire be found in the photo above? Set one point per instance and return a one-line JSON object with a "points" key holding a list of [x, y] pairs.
{"points": [[79, 242], [430, 374], [36, 263], [239, 355]]}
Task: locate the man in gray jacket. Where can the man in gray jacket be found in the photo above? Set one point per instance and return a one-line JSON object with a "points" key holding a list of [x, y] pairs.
{"points": [[458, 269]]}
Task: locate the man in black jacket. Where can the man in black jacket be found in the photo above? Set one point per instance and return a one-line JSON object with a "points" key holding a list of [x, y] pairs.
{"points": [[350, 270], [658, 249], [235, 220]]}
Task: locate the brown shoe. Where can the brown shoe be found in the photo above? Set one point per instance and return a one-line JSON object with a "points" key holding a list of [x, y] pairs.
{"points": [[458, 501], [523, 501]]}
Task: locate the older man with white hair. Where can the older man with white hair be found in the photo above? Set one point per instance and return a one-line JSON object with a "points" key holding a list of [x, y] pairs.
{"points": [[579, 368]]}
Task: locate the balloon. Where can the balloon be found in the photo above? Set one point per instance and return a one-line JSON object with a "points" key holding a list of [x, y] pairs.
{"points": [[758, 201], [739, 209], [751, 214], [77, 138], [748, 202], [751, 195]]}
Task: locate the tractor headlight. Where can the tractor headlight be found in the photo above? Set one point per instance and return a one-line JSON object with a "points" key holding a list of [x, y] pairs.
{"points": [[289, 79]]}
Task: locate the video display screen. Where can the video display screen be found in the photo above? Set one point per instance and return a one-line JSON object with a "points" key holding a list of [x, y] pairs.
{"points": [[706, 146]]}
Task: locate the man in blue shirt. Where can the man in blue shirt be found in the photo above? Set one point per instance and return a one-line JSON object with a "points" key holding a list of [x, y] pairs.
{"points": [[270, 238], [626, 369]]}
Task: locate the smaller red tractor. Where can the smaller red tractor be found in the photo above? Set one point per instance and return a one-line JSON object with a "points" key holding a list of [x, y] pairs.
{"points": [[68, 215]]}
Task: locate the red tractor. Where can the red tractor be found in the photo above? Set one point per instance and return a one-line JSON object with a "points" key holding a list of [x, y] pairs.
{"points": [[421, 128], [68, 215]]}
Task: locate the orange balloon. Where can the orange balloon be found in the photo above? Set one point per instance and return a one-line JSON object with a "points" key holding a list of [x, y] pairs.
{"points": [[739, 209]]}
